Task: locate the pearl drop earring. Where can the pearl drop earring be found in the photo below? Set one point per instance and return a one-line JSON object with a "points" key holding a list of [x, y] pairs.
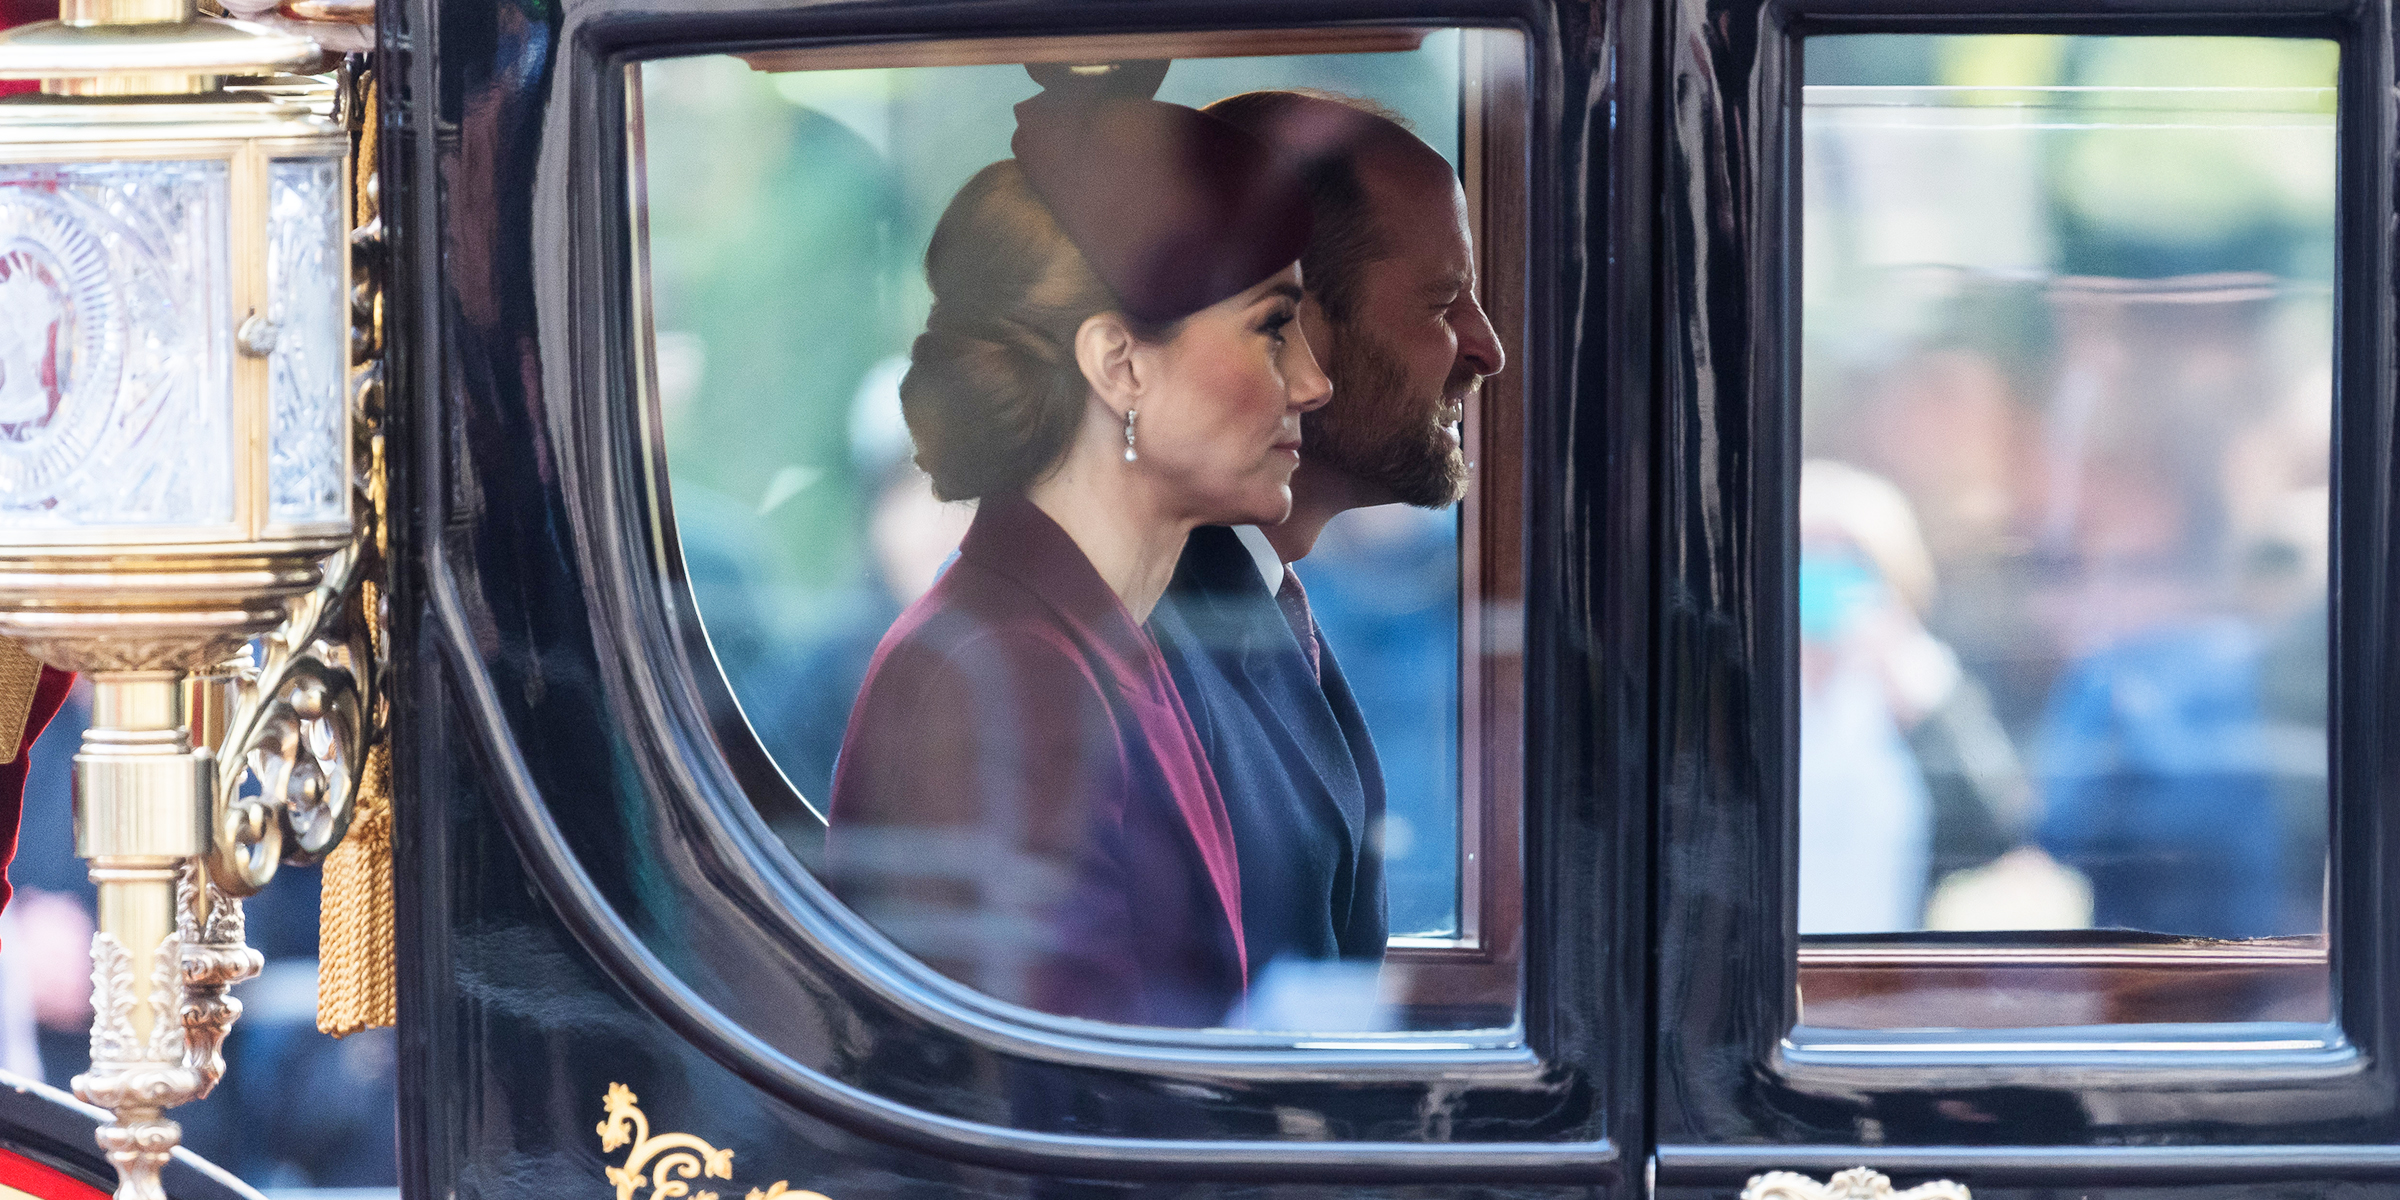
{"points": [[1130, 456]]}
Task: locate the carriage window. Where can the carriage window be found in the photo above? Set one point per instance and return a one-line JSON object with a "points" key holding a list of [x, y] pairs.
{"points": [[913, 518], [2066, 402]]}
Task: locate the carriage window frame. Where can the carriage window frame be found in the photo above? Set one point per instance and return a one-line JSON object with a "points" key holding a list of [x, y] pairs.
{"points": [[1479, 967], [1805, 1052], [1732, 1092]]}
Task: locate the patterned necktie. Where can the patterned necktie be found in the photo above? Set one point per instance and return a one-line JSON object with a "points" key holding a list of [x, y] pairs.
{"points": [[1293, 600]]}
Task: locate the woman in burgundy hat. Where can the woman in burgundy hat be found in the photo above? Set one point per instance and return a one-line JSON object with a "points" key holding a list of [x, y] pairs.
{"points": [[1112, 360]]}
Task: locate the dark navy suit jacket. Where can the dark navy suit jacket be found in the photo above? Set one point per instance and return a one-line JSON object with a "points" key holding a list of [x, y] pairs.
{"points": [[1292, 758]]}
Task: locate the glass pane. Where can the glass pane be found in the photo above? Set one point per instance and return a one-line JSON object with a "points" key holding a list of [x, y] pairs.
{"points": [[311, 360], [115, 406], [2066, 410], [791, 200]]}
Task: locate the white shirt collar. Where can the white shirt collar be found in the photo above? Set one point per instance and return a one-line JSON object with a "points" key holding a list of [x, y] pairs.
{"points": [[1262, 555]]}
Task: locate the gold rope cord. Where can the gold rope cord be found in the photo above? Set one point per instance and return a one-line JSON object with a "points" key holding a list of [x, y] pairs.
{"points": [[20, 677], [357, 977]]}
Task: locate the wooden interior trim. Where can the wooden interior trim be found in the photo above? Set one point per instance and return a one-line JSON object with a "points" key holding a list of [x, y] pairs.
{"points": [[1479, 969], [1931, 957], [2032, 987], [1204, 43]]}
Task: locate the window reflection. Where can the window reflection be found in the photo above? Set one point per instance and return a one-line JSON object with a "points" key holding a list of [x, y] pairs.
{"points": [[788, 211], [2066, 408]]}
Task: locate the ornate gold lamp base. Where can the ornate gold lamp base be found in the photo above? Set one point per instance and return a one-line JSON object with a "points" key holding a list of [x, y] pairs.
{"points": [[140, 824], [190, 478], [169, 944]]}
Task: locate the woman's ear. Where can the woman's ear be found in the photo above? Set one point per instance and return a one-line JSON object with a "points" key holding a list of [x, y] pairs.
{"points": [[1104, 351]]}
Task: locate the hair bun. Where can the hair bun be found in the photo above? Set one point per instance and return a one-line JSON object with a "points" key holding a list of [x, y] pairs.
{"points": [[993, 393]]}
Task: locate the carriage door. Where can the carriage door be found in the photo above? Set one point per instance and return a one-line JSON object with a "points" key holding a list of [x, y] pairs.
{"points": [[2025, 781], [665, 277]]}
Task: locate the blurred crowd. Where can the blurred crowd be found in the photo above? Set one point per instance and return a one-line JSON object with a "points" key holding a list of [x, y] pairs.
{"points": [[2063, 619], [296, 1109], [2067, 410]]}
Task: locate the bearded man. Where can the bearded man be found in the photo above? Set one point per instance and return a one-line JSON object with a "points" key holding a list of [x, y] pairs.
{"points": [[1391, 311]]}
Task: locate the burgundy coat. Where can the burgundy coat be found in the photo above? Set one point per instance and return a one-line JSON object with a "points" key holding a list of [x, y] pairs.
{"points": [[1022, 802]]}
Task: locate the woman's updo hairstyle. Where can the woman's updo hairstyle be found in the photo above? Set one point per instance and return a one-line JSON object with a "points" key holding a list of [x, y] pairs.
{"points": [[1114, 202], [993, 393]]}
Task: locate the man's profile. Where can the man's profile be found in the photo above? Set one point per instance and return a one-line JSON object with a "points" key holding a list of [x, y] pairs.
{"points": [[1391, 307]]}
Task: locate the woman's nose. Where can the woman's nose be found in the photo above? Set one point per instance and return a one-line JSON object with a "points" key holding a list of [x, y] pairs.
{"points": [[1304, 383]]}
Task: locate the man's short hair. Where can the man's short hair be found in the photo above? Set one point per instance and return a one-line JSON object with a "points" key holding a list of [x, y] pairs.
{"points": [[1331, 135]]}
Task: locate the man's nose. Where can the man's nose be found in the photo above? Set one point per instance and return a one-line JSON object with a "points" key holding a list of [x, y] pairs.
{"points": [[1478, 342]]}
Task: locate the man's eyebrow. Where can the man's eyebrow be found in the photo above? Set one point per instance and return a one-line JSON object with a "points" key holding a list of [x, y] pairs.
{"points": [[1455, 281]]}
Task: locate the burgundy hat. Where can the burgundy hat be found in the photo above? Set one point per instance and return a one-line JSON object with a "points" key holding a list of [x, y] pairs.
{"points": [[1174, 209]]}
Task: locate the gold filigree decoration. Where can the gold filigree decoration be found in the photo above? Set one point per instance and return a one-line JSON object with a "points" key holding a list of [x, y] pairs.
{"points": [[209, 926], [1857, 1183], [133, 1080], [667, 1160], [309, 697], [357, 962]]}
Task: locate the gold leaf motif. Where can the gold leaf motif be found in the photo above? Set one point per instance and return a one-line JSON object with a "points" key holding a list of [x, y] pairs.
{"points": [[668, 1159], [781, 1190]]}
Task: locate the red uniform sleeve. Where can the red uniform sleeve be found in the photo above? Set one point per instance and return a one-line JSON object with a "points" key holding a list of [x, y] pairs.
{"points": [[48, 697]]}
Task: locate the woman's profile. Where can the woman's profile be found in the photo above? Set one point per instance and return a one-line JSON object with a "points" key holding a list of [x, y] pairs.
{"points": [[1112, 359]]}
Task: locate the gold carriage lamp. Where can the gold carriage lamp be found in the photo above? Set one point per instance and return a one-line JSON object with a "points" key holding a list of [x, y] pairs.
{"points": [[175, 441]]}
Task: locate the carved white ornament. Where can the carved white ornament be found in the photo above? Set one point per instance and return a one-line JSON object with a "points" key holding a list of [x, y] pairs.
{"points": [[1857, 1183]]}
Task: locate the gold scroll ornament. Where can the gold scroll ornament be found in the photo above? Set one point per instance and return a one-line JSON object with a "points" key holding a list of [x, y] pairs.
{"points": [[665, 1161]]}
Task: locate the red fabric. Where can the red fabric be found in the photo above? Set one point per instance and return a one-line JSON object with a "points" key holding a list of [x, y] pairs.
{"points": [[24, 12], [1293, 600], [1022, 801], [43, 1183], [48, 696]]}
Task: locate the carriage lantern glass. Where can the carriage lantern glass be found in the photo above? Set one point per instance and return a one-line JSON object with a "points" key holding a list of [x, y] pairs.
{"points": [[174, 465]]}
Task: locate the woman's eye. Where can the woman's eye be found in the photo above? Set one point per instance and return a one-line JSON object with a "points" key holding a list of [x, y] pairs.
{"points": [[1275, 326]]}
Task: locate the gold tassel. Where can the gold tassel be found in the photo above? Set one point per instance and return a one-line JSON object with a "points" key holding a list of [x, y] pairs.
{"points": [[20, 677], [356, 981], [357, 977]]}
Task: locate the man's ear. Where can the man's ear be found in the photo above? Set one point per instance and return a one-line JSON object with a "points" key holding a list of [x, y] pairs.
{"points": [[1104, 351]]}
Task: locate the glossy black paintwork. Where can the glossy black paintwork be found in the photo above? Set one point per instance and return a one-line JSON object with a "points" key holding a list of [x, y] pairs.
{"points": [[590, 898], [1731, 1098]]}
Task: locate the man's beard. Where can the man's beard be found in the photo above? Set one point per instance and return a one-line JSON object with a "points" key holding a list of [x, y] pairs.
{"points": [[1382, 437]]}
